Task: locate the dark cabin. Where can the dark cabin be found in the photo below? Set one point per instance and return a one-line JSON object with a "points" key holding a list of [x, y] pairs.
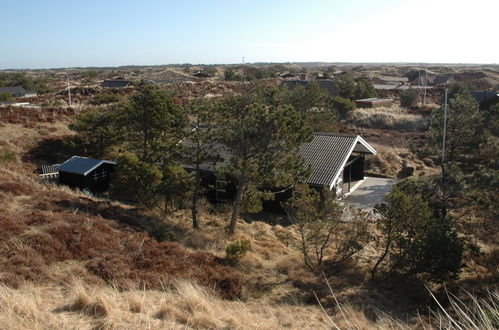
{"points": [[336, 163], [86, 173], [116, 83]]}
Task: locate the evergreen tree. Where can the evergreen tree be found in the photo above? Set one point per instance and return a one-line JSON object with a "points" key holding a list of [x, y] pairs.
{"points": [[199, 147], [153, 125], [415, 240], [97, 130], [464, 132], [264, 140]]}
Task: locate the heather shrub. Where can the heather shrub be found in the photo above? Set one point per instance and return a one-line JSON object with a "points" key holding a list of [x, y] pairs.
{"points": [[236, 250], [7, 156], [162, 233]]}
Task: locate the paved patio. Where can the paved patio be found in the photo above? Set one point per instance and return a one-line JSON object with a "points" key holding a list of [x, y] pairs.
{"points": [[370, 192]]}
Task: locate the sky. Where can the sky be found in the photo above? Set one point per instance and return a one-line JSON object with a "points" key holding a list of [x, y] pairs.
{"points": [[56, 34]]}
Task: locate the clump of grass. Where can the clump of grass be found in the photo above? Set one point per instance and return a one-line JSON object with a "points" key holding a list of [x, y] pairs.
{"points": [[394, 118], [7, 156]]}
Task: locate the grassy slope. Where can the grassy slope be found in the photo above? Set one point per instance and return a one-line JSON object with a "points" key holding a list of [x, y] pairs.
{"points": [[52, 235]]}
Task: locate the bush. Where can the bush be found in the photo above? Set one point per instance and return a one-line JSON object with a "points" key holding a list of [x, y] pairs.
{"points": [[105, 99], [236, 250], [409, 97], [162, 233], [342, 105], [416, 240], [7, 156]]}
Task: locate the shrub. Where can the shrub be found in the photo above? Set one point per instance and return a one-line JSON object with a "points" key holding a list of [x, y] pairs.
{"points": [[415, 240], [105, 99], [342, 105], [236, 250], [162, 233], [7, 156], [409, 97]]}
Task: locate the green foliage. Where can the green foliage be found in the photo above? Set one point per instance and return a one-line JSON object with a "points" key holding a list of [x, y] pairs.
{"points": [[136, 181], [263, 136], [491, 118], [236, 250], [464, 130], [25, 81], [176, 186], [364, 89], [162, 233], [342, 106], [7, 156], [6, 97], [199, 149], [304, 98], [254, 73], [415, 241], [97, 130], [325, 226], [152, 125], [409, 97], [105, 98], [459, 88], [355, 89], [90, 74], [231, 75]]}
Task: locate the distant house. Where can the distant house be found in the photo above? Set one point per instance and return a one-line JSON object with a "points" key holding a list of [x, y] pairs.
{"points": [[327, 84], [116, 83], [443, 80], [485, 96], [86, 173], [394, 79], [374, 102], [287, 75], [17, 91], [336, 162]]}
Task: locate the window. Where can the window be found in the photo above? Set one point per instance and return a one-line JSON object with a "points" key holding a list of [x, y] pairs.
{"points": [[95, 176], [221, 190]]}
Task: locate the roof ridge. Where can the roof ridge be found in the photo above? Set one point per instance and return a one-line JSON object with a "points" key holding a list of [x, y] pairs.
{"points": [[336, 134]]}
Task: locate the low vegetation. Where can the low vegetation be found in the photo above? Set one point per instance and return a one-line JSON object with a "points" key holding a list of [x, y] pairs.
{"points": [[393, 118]]}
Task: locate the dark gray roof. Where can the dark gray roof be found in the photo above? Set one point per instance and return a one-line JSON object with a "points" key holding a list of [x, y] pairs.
{"points": [[82, 165], [16, 91], [118, 83], [326, 154]]}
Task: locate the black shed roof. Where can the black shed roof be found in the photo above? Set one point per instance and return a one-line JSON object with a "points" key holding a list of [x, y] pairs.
{"points": [[82, 165]]}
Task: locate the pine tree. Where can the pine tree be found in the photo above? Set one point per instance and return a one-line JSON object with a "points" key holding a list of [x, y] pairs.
{"points": [[264, 140]]}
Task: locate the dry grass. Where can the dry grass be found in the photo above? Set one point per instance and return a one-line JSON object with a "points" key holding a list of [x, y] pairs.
{"points": [[186, 306], [189, 306], [394, 118]]}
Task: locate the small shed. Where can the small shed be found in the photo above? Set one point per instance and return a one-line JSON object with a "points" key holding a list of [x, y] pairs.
{"points": [[374, 102], [86, 173]]}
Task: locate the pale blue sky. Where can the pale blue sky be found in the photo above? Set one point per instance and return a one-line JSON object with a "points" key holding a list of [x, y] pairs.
{"points": [[49, 33]]}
